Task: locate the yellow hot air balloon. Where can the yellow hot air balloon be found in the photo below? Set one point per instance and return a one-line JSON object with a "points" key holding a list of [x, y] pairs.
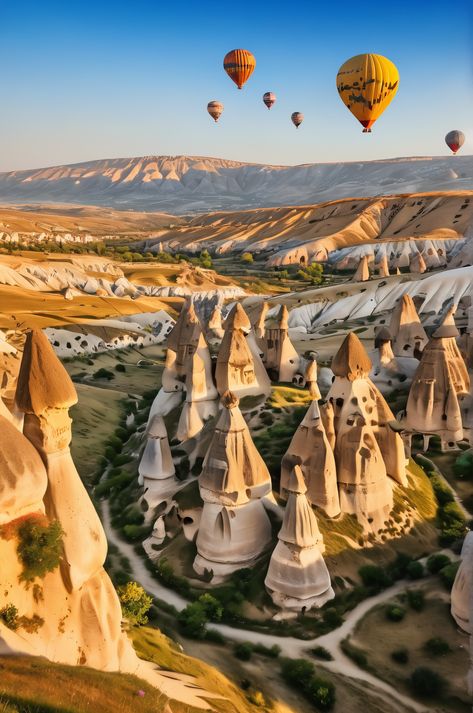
{"points": [[367, 84]]}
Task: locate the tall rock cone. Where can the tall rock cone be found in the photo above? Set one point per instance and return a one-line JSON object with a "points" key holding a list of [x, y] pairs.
{"points": [[311, 450], [239, 366], [417, 264], [367, 450], [408, 335], [297, 578], [362, 272], [45, 393], [281, 357], [234, 528], [156, 469], [441, 380], [214, 326], [382, 267]]}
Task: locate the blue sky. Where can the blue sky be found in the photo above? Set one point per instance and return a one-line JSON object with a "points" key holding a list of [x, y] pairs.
{"points": [[85, 80]]}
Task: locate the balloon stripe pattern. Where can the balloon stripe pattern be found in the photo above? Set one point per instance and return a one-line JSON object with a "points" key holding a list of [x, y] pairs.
{"points": [[269, 99], [215, 109], [455, 140], [367, 84], [297, 118], [239, 65]]}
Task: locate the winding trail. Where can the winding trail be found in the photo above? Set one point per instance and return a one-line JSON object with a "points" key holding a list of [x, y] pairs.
{"points": [[290, 646]]}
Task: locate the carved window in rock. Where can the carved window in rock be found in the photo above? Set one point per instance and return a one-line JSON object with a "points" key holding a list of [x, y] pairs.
{"points": [[222, 526]]}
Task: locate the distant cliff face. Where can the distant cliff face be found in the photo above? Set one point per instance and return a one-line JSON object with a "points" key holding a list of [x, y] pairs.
{"points": [[185, 184]]}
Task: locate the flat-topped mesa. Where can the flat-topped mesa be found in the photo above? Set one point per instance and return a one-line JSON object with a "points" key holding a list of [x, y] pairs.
{"points": [[281, 358], [440, 382], [382, 267], [239, 366], [297, 577], [362, 272], [44, 393], [417, 263], [360, 416], [408, 335], [234, 528], [186, 339], [156, 469]]}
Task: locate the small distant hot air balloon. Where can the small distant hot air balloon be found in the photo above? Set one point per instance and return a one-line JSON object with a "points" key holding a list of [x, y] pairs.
{"points": [[215, 109], [297, 118], [455, 140], [239, 65], [367, 84], [269, 99]]}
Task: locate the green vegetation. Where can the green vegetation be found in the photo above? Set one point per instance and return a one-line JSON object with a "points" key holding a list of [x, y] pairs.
{"points": [[245, 649], [321, 653], [450, 518], [394, 612], [416, 599], [436, 562], [312, 273], [447, 574], [39, 548], [463, 466], [247, 258], [103, 374], [354, 653], [415, 570], [400, 655], [374, 578], [437, 646], [9, 616], [194, 618], [426, 683], [135, 603], [301, 675]]}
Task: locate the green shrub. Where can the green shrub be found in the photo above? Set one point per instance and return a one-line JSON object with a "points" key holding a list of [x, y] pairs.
{"points": [[416, 599], [374, 578], [355, 654], [243, 651], [437, 646], [321, 693], [436, 562], [463, 466], [321, 653], [394, 612], [120, 367], [400, 655], [297, 672], [211, 606], [332, 617], [415, 570], [271, 652], [248, 258], [427, 683], [40, 548], [103, 374], [257, 699], [215, 637], [135, 603], [193, 621], [442, 491], [9, 616], [447, 574]]}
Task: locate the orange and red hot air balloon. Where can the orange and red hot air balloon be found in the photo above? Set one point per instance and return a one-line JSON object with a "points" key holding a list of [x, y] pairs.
{"points": [[239, 65]]}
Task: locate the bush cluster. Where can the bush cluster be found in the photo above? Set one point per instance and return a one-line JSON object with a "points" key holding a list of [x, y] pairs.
{"points": [[39, 548], [301, 675], [194, 618], [450, 519], [135, 603]]}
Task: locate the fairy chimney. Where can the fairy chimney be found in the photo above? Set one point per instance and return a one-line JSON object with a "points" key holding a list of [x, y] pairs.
{"points": [[417, 263], [408, 335], [362, 272], [281, 357], [234, 528], [298, 578], [239, 366], [156, 469], [382, 267], [440, 382]]}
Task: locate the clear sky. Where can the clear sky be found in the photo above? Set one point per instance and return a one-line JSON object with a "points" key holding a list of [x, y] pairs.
{"points": [[83, 80]]}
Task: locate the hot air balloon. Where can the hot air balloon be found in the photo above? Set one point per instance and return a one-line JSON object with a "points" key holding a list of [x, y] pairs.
{"points": [[239, 65], [367, 84], [297, 118], [269, 99], [215, 109], [455, 140]]}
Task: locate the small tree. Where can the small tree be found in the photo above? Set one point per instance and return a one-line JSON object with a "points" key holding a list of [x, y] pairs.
{"points": [[205, 260], [395, 613], [437, 646], [427, 683], [248, 258], [193, 621], [415, 570], [9, 616], [416, 599], [135, 603], [211, 606], [39, 548], [374, 577], [400, 655], [437, 562]]}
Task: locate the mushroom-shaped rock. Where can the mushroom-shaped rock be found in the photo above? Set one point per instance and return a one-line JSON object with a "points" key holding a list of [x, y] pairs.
{"points": [[44, 393], [234, 528], [297, 577]]}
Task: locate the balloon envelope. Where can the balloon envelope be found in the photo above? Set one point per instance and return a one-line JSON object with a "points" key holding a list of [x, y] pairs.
{"points": [[239, 65], [269, 99], [215, 109], [367, 84], [455, 140], [297, 118]]}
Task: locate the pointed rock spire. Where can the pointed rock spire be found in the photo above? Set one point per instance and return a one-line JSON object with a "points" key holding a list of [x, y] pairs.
{"points": [[281, 357], [362, 272], [383, 267], [351, 361], [297, 577], [310, 378], [417, 263], [408, 335]]}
